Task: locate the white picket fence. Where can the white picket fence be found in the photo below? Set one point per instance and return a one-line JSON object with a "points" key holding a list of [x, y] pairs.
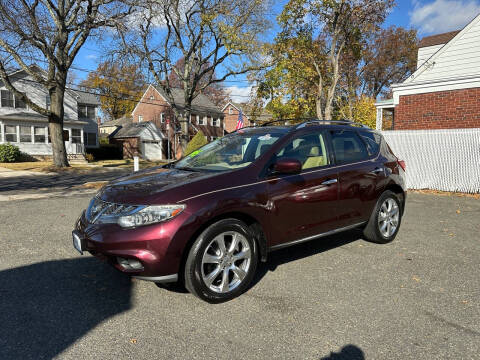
{"points": [[447, 160]]}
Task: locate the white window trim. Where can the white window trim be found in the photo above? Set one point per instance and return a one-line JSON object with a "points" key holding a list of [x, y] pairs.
{"points": [[140, 118], [2, 138], [162, 118], [198, 119]]}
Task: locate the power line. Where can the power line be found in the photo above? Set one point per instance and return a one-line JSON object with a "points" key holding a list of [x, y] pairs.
{"points": [[128, 97]]}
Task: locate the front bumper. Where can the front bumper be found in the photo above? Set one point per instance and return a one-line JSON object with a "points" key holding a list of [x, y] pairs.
{"points": [[157, 247]]}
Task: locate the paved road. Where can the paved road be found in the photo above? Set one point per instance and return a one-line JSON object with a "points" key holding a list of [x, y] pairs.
{"points": [[30, 185], [337, 298]]}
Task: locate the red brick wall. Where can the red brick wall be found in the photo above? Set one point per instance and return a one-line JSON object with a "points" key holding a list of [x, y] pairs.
{"points": [[231, 119], [439, 110], [151, 107]]}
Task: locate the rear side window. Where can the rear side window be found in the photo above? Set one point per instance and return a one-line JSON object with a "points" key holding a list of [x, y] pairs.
{"points": [[372, 141], [348, 147]]}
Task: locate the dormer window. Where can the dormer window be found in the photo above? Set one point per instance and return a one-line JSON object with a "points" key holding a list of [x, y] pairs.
{"points": [[152, 97]]}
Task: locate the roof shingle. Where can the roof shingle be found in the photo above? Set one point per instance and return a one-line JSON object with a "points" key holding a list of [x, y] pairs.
{"points": [[438, 39]]}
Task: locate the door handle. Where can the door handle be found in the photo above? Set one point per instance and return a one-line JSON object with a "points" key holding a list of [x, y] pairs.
{"points": [[329, 182], [377, 170]]}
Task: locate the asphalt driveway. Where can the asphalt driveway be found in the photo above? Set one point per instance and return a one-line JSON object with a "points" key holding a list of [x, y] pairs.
{"points": [[335, 298]]}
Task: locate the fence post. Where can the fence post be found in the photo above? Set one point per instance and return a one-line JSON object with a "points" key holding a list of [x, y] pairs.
{"points": [[135, 164]]}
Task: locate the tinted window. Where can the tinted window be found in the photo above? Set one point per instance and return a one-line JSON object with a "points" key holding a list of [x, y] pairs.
{"points": [[372, 140], [348, 147], [309, 149]]}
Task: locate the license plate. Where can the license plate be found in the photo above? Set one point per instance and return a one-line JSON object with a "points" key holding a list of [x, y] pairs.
{"points": [[77, 242]]}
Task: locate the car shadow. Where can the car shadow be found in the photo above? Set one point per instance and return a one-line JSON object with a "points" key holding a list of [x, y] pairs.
{"points": [[47, 306], [304, 250], [348, 352]]}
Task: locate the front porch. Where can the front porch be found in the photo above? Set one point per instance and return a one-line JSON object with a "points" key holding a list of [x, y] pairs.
{"points": [[385, 114], [32, 138]]}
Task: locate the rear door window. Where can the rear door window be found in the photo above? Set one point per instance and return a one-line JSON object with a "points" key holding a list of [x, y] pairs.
{"points": [[372, 140], [348, 147]]}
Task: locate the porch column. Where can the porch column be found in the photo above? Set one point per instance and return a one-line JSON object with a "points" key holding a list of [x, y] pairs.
{"points": [[81, 136], [46, 134], [32, 132], [18, 133], [379, 121], [2, 132]]}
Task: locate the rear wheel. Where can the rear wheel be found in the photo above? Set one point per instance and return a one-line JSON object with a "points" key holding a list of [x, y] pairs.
{"points": [[222, 261], [385, 220]]}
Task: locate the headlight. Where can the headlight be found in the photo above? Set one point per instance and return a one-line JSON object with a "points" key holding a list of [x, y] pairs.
{"points": [[102, 212], [150, 215]]}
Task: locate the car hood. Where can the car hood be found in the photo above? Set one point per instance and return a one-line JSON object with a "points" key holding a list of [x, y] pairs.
{"points": [[153, 186]]}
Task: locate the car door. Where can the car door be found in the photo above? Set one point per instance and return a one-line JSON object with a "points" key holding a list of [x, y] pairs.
{"points": [[359, 175], [303, 205]]}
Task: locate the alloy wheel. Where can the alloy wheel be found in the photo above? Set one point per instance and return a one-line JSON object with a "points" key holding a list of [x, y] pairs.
{"points": [[226, 262], [388, 217]]}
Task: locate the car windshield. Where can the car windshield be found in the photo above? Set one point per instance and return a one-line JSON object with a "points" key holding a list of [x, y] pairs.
{"points": [[232, 151]]}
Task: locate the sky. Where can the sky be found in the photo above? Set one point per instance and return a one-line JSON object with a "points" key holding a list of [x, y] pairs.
{"points": [[427, 16]]}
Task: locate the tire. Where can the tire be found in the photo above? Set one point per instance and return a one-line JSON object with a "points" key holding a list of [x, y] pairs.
{"points": [[383, 225], [215, 273]]}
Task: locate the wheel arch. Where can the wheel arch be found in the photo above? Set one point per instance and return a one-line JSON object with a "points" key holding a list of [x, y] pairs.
{"points": [[398, 190]]}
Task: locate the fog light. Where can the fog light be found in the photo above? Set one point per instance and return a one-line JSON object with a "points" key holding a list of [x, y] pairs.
{"points": [[129, 264]]}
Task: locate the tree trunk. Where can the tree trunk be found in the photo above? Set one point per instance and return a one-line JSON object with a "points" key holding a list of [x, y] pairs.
{"points": [[55, 127]]}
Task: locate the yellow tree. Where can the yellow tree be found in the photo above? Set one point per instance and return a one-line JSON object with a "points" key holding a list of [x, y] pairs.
{"points": [[120, 86]]}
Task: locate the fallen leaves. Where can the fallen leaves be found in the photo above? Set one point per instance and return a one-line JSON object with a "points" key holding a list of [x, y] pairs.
{"points": [[133, 341], [416, 278]]}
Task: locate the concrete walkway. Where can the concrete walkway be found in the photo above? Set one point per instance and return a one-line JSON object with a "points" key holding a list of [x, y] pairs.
{"points": [[23, 185]]}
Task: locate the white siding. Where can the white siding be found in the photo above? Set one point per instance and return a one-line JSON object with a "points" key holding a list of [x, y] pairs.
{"points": [[38, 94], [458, 58], [425, 53]]}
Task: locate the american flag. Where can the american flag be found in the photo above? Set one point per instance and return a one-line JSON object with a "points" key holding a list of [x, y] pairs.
{"points": [[240, 121]]}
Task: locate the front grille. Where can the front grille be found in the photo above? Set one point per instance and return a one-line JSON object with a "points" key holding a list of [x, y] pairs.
{"points": [[103, 209]]}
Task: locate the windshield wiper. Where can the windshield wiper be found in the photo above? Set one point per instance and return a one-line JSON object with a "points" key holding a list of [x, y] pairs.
{"points": [[187, 169]]}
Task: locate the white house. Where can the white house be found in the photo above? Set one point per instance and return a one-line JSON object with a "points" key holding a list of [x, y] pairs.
{"points": [[28, 130], [444, 91]]}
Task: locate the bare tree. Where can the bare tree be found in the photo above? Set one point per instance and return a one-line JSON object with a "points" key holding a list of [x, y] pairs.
{"points": [[51, 32], [207, 34]]}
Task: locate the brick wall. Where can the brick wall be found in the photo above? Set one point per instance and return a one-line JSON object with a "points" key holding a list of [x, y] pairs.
{"points": [[439, 110], [151, 108], [231, 118]]}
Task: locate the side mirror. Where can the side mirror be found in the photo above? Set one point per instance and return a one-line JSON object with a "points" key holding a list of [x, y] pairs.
{"points": [[287, 166]]}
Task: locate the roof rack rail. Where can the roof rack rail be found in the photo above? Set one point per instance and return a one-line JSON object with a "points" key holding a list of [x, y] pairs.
{"points": [[285, 122], [340, 122]]}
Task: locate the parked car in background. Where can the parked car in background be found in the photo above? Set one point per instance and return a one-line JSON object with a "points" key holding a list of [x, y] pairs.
{"points": [[208, 219]]}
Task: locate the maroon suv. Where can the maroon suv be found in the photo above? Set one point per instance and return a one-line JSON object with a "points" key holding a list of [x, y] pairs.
{"points": [[207, 220]]}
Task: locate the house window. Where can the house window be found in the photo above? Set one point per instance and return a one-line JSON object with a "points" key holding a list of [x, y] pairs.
{"points": [[90, 139], [162, 117], [76, 136], [39, 134], [7, 98], [26, 134], [48, 102], [82, 111], [152, 97], [215, 122], [230, 110], [202, 121], [90, 112], [19, 103], [140, 118], [10, 133]]}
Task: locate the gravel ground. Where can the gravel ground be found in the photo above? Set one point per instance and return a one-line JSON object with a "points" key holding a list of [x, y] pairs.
{"points": [[335, 298]]}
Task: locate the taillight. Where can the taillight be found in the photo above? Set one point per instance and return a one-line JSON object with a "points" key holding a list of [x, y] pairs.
{"points": [[402, 164]]}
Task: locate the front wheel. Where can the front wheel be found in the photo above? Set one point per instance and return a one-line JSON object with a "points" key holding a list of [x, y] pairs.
{"points": [[222, 261], [385, 220]]}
